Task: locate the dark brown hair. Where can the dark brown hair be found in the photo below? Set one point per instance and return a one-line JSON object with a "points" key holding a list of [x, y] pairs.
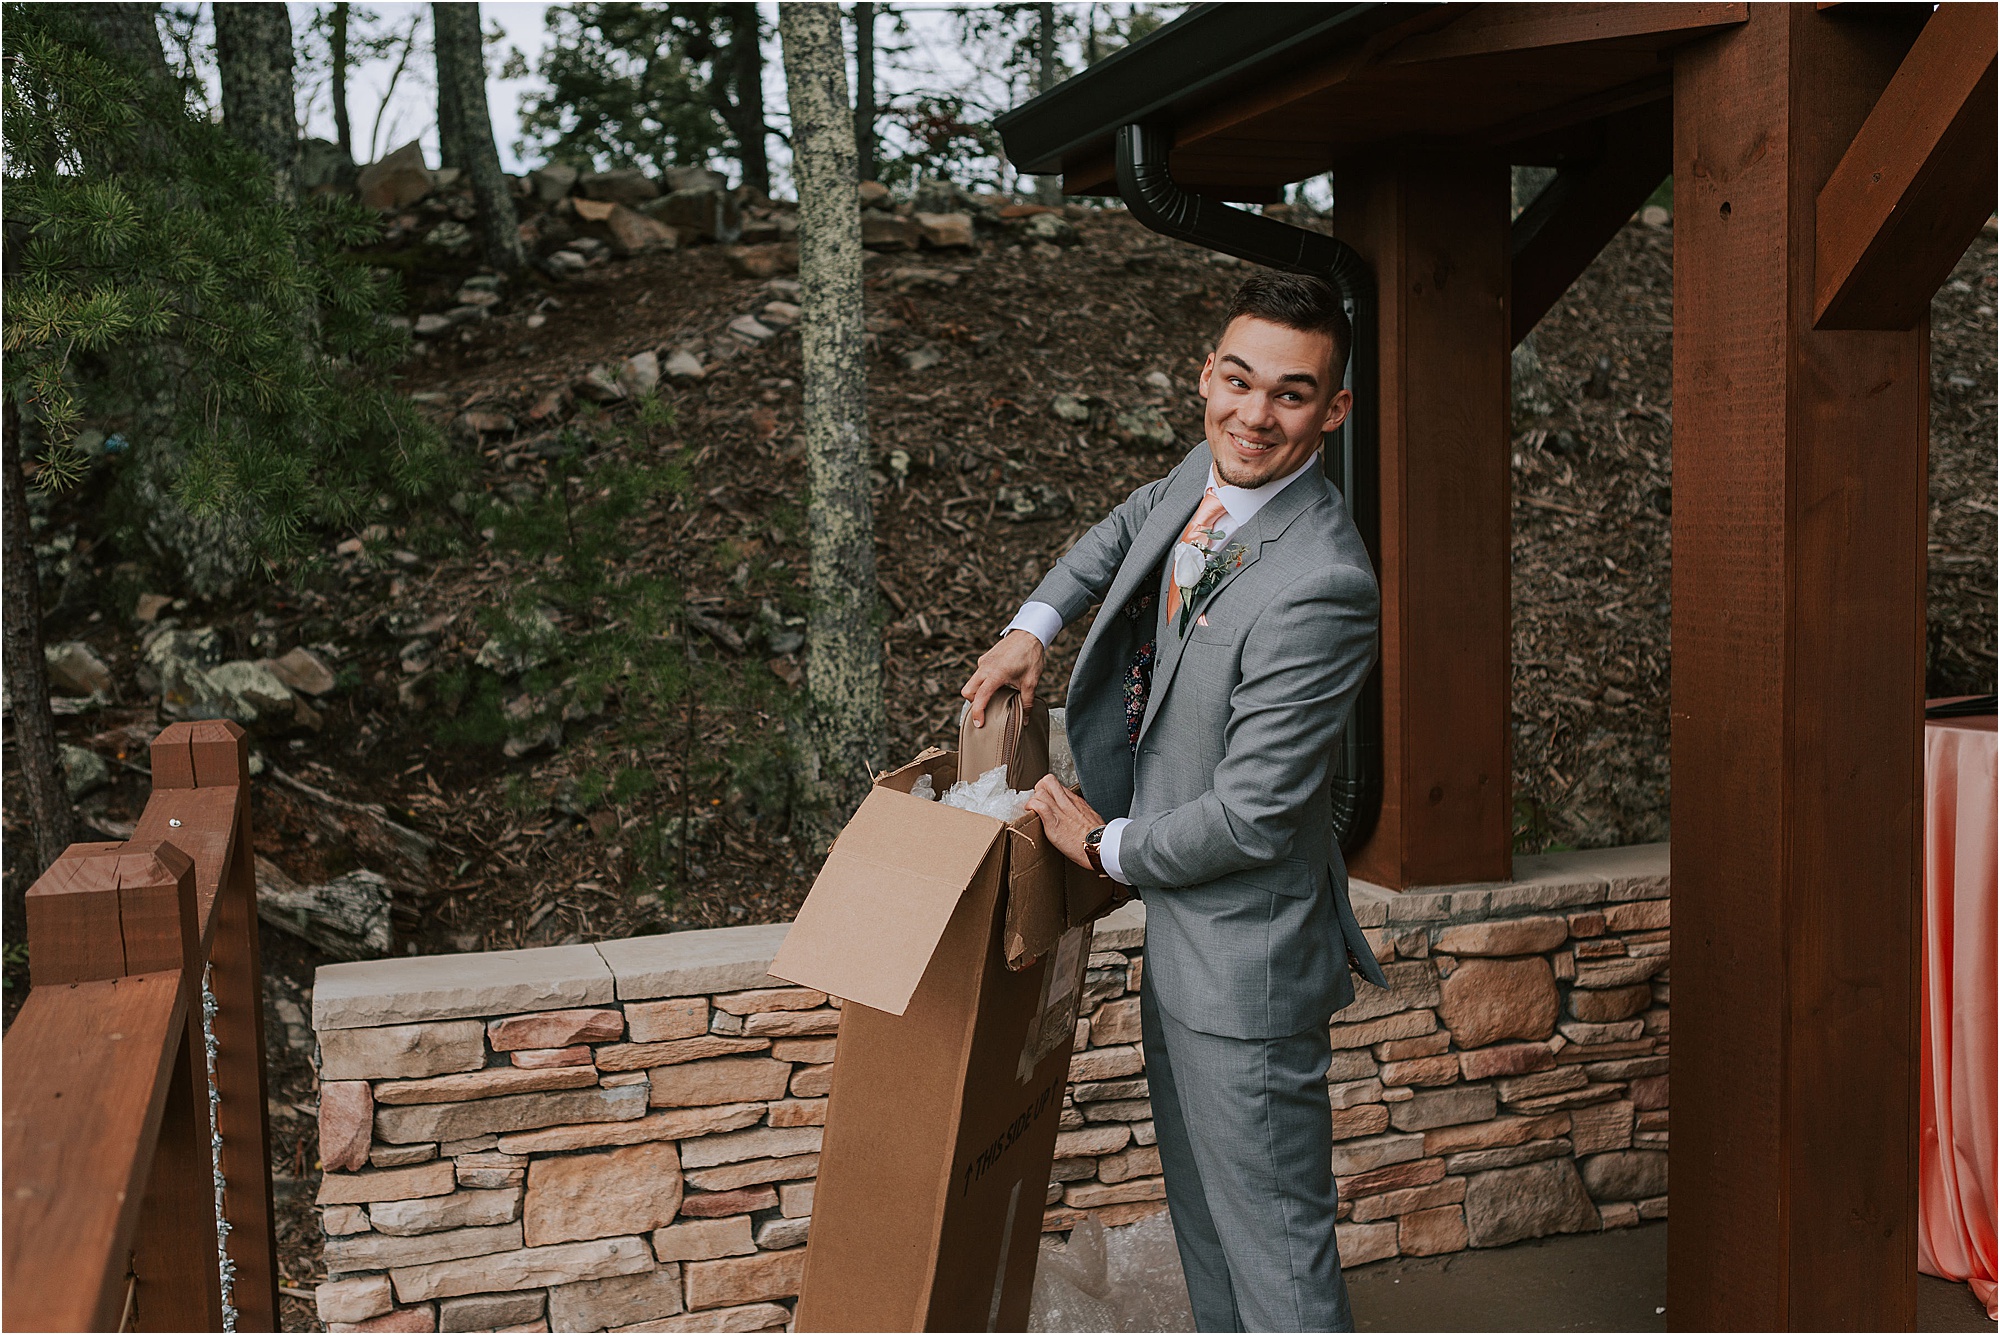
{"points": [[1296, 301]]}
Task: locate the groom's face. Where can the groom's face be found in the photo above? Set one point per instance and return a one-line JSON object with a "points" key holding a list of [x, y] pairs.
{"points": [[1271, 396]]}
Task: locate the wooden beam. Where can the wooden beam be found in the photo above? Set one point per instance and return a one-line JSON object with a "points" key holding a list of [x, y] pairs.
{"points": [[1917, 183], [87, 1071], [178, 1285], [1551, 122], [1486, 30], [1435, 231], [216, 781], [1558, 235], [1798, 637]]}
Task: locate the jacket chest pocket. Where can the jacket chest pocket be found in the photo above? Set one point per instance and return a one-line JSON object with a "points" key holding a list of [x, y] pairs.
{"points": [[1210, 659]]}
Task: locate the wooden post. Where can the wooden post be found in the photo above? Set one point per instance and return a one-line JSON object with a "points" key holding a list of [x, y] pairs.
{"points": [[1798, 621], [174, 1258], [215, 755], [1436, 231]]}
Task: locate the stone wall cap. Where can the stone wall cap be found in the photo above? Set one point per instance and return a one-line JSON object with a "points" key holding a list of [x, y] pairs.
{"points": [[1596, 864], [1124, 928], [1541, 882], [685, 964], [446, 987]]}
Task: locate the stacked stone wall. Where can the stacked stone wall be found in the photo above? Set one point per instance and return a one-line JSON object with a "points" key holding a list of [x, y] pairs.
{"points": [[625, 1136]]}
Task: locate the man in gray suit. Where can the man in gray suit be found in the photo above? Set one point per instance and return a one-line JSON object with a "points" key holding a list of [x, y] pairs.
{"points": [[1238, 622]]}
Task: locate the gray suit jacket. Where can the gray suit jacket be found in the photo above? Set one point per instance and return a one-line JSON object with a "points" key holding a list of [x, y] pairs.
{"points": [[1231, 843]]}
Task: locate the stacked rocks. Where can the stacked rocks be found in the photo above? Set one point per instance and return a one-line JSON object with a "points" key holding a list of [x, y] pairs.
{"points": [[1510, 1082], [625, 1136], [580, 1137]]}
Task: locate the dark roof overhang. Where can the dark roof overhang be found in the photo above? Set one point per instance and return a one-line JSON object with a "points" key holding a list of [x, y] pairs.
{"points": [[1256, 96], [1203, 55]]}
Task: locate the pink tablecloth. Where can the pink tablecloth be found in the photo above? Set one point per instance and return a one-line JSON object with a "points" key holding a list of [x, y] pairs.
{"points": [[1956, 1189]]}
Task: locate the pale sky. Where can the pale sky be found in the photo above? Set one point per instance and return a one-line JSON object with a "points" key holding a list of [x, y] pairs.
{"points": [[933, 58]]}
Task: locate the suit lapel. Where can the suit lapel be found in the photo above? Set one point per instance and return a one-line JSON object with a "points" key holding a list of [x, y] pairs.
{"points": [[1162, 528], [1266, 526]]}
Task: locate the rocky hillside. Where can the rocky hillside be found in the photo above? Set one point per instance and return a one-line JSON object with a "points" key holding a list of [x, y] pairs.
{"points": [[1027, 369]]}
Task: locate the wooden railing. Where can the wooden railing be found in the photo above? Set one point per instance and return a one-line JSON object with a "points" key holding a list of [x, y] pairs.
{"points": [[110, 1170]]}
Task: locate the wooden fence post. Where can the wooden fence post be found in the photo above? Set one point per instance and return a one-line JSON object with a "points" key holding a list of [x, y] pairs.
{"points": [[174, 1257], [214, 754]]}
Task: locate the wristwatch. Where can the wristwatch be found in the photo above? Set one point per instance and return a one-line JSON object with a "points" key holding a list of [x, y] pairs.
{"points": [[1093, 849]]}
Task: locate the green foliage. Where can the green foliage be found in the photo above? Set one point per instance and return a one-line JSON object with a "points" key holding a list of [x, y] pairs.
{"points": [[157, 287], [1533, 830], [944, 138], [629, 85], [586, 632], [14, 965], [942, 129], [586, 626]]}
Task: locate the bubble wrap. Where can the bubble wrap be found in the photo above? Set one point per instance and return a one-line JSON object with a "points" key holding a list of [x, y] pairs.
{"points": [[988, 795]]}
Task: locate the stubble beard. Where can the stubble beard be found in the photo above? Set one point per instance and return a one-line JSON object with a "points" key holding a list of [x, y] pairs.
{"points": [[1227, 469]]}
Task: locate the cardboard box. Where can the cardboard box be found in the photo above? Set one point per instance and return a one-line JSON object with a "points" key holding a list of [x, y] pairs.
{"points": [[958, 944]]}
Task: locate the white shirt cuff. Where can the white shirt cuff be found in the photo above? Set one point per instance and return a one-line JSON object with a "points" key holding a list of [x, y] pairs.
{"points": [[1039, 620], [1107, 848]]}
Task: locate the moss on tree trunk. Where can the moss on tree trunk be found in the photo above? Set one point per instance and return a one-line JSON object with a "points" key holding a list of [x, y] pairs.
{"points": [[253, 52], [844, 644], [461, 76]]}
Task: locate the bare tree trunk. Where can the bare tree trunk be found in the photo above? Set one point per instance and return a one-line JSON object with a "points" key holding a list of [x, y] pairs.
{"points": [[343, 132], [452, 150], [848, 732], [461, 71], [746, 79], [253, 51], [131, 31], [34, 727], [1048, 189], [864, 90]]}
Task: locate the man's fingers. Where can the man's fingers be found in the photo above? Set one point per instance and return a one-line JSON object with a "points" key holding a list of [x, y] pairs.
{"points": [[982, 691]]}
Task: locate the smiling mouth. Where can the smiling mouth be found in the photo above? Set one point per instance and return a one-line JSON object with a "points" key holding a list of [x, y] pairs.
{"points": [[1254, 446]]}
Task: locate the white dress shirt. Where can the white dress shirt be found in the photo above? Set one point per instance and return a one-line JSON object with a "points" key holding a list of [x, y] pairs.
{"points": [[1042, 621]]}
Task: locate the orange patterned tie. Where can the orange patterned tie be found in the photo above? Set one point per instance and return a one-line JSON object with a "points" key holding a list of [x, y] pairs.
{"points": [[1200, 532]]}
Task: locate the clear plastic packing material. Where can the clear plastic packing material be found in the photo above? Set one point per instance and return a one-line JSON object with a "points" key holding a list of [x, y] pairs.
{"points": [[988, 795], [1126, 1278]]}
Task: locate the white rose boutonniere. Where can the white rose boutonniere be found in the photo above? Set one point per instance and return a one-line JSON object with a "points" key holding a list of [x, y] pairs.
{"points": [[1197, 573], [1188, 562]]}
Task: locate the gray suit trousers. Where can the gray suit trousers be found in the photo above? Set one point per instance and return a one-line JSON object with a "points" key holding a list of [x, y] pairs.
{"points": [[1246, 1144]]}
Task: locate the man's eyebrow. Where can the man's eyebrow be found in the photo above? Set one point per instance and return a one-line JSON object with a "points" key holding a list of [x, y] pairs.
{"points": [[1298, 377]]}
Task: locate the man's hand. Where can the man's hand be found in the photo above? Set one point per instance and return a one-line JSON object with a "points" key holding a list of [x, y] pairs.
{"points": [[1016, 661], [1066, 819]]}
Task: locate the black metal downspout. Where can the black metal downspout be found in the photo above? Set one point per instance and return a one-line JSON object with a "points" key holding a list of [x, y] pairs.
{"points": [[1353, 461]]}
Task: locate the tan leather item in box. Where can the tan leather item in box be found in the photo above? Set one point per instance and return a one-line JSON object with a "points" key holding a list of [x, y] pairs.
{"points": [[1015, 737]]}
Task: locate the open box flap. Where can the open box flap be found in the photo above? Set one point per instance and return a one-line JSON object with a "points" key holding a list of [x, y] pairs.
{"points": [[883, 899], [1036, 907]]}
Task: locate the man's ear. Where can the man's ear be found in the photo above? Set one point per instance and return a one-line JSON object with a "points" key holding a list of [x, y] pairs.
{"points": [[1337, 411], [1207, 367]]}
